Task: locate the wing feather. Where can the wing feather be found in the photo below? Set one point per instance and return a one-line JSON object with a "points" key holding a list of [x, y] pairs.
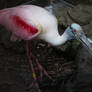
{"points": [[24, 25]]}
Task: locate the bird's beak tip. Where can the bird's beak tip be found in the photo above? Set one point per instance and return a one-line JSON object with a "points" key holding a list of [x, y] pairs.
{"points": [[83, 39]]}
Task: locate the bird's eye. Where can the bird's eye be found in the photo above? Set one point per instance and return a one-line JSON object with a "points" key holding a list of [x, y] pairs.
{"points": [[75, 31]]}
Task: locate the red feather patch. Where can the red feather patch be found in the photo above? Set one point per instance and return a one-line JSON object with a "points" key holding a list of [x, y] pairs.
{"points": [[22, 24]]}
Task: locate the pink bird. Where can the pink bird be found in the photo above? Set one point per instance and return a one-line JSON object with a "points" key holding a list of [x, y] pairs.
{"points": [[29, 21]]}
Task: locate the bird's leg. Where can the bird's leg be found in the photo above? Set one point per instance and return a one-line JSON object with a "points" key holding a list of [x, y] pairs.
{"points": [[42, 70], [33, 70]]}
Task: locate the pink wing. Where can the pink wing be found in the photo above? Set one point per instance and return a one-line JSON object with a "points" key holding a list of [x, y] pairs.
{"points": [[23, 25], [28, 31]]}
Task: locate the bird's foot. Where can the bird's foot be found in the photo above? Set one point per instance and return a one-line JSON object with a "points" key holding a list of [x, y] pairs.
{"points": [[30, 57], [34, 84]]}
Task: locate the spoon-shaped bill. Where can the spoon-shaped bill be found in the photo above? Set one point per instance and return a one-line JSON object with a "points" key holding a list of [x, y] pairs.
{"points": [[83, 39]]}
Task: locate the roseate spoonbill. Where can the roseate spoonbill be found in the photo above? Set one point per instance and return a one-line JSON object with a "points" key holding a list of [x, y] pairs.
{"points": [[29, 21]]}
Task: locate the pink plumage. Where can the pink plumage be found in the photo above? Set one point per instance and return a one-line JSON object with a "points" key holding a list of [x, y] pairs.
{"points": [[24, 22], [23, 25], [19, 24]]}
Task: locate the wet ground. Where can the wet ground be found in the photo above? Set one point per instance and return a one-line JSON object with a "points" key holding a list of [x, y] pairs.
{"points": [[65, 65], [16, 72]]}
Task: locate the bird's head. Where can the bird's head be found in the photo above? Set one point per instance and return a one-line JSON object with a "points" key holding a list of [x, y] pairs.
{"points": [[75, 31]]}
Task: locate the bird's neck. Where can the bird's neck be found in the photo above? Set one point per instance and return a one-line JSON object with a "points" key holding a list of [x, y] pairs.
{"points": [[58, 39]]}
